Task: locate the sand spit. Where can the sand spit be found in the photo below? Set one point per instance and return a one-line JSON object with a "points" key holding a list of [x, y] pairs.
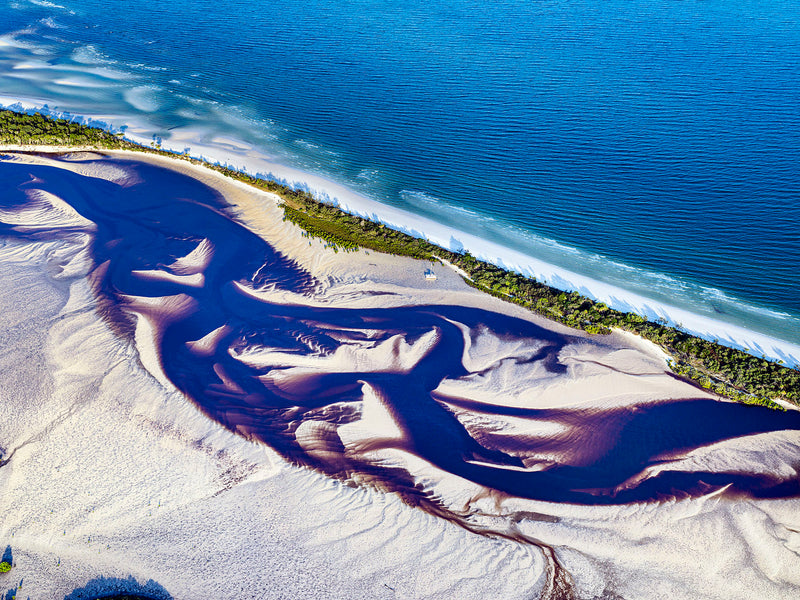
{"points": [[697, 322], [157, 403]]}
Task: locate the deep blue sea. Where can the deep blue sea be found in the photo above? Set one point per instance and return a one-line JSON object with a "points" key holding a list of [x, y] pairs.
{"points": [[651, 144]]}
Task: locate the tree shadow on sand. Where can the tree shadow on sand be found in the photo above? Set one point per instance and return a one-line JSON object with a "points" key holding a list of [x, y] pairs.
{"points": [[116, 588]]}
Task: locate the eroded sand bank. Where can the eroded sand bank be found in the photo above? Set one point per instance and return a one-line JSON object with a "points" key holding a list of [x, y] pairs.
{"points": [[157, 409]]}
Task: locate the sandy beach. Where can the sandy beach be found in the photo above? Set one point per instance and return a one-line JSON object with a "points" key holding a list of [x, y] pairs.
{"points": [[334, 424], [227, 152]]}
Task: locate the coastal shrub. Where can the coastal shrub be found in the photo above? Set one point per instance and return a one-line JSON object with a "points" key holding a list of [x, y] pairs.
{"points": [[5, 567], [36, 129]]}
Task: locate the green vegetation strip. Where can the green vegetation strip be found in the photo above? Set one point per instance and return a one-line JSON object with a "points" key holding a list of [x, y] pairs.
{"points": [[720, 369], [36, 129]]}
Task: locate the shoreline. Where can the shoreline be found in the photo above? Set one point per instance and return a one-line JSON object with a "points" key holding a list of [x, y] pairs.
{"points": [[756, 343], [698, 317], [766, 346], [216, 386]]}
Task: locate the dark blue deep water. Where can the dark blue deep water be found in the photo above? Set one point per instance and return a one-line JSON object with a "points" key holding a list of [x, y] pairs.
{"points": [[655, 143]]}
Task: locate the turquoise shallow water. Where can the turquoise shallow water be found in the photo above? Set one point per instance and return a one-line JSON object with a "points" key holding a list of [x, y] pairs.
{"points": [[653, 145]]}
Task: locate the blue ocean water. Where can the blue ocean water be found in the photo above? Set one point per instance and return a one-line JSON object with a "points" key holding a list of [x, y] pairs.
{"points": [[650, 144]]}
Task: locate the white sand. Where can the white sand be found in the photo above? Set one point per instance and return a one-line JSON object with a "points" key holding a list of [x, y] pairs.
{"points": [[114, 473]]}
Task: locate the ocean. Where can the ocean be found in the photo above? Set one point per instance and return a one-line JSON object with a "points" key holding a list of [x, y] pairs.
{"points": [[645, 147]]}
